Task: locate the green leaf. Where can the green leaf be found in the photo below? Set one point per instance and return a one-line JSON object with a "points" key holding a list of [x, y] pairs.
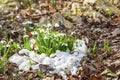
{"points": [[110, 73], [40, 74]]}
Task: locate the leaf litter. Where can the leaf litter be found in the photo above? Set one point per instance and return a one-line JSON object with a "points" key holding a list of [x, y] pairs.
{"points": [[101, 26]]}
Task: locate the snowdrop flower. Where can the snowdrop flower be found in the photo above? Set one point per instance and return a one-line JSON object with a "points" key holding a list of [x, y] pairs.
{"points": [[61, 34], [48, 25], [42, 30], [0, 26], [46, 37], [32, 42], [11, 40], [72, 33], [57, 25], [7, 45], [2, 41], [34, 33], [24, 29], [64, 44], [25, 36], [36, 48]]}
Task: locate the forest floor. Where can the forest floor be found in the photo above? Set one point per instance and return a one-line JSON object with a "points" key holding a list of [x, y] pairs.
{"points": [[91, 22]]}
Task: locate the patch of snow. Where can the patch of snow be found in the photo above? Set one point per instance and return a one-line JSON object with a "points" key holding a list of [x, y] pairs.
{"points": [[79, 45], [61, 62]]}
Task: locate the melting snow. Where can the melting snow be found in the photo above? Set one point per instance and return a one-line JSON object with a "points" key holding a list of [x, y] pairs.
{"points": [[61, 62]]}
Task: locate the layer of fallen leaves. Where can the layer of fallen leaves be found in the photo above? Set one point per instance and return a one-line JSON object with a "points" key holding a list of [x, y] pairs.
{"points": [[101, 65]]}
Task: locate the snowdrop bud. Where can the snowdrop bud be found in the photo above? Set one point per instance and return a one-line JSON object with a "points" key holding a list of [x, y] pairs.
{"points": [[34, 33], [32, 42], [57, 25], [25, 36], [2, 41]]}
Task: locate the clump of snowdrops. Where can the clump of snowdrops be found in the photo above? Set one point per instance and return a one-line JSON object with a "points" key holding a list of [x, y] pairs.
{"points": [[46, 41]]}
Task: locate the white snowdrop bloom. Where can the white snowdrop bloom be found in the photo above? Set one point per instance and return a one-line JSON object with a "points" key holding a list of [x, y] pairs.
{"points": [[74, 71], [48, 25], [27, 22], [11, 40], [25, 36], [24, 29], [25, 65], [72, 33], [17, 59], [80, 45], [61, 34], [18, 46], [36, 48], [32, 42], [64, 44], [2, 41], [57, 25], [7, 45], [34, 33], [24, 51], [41, 30], [0, 26], [46, 37]]}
